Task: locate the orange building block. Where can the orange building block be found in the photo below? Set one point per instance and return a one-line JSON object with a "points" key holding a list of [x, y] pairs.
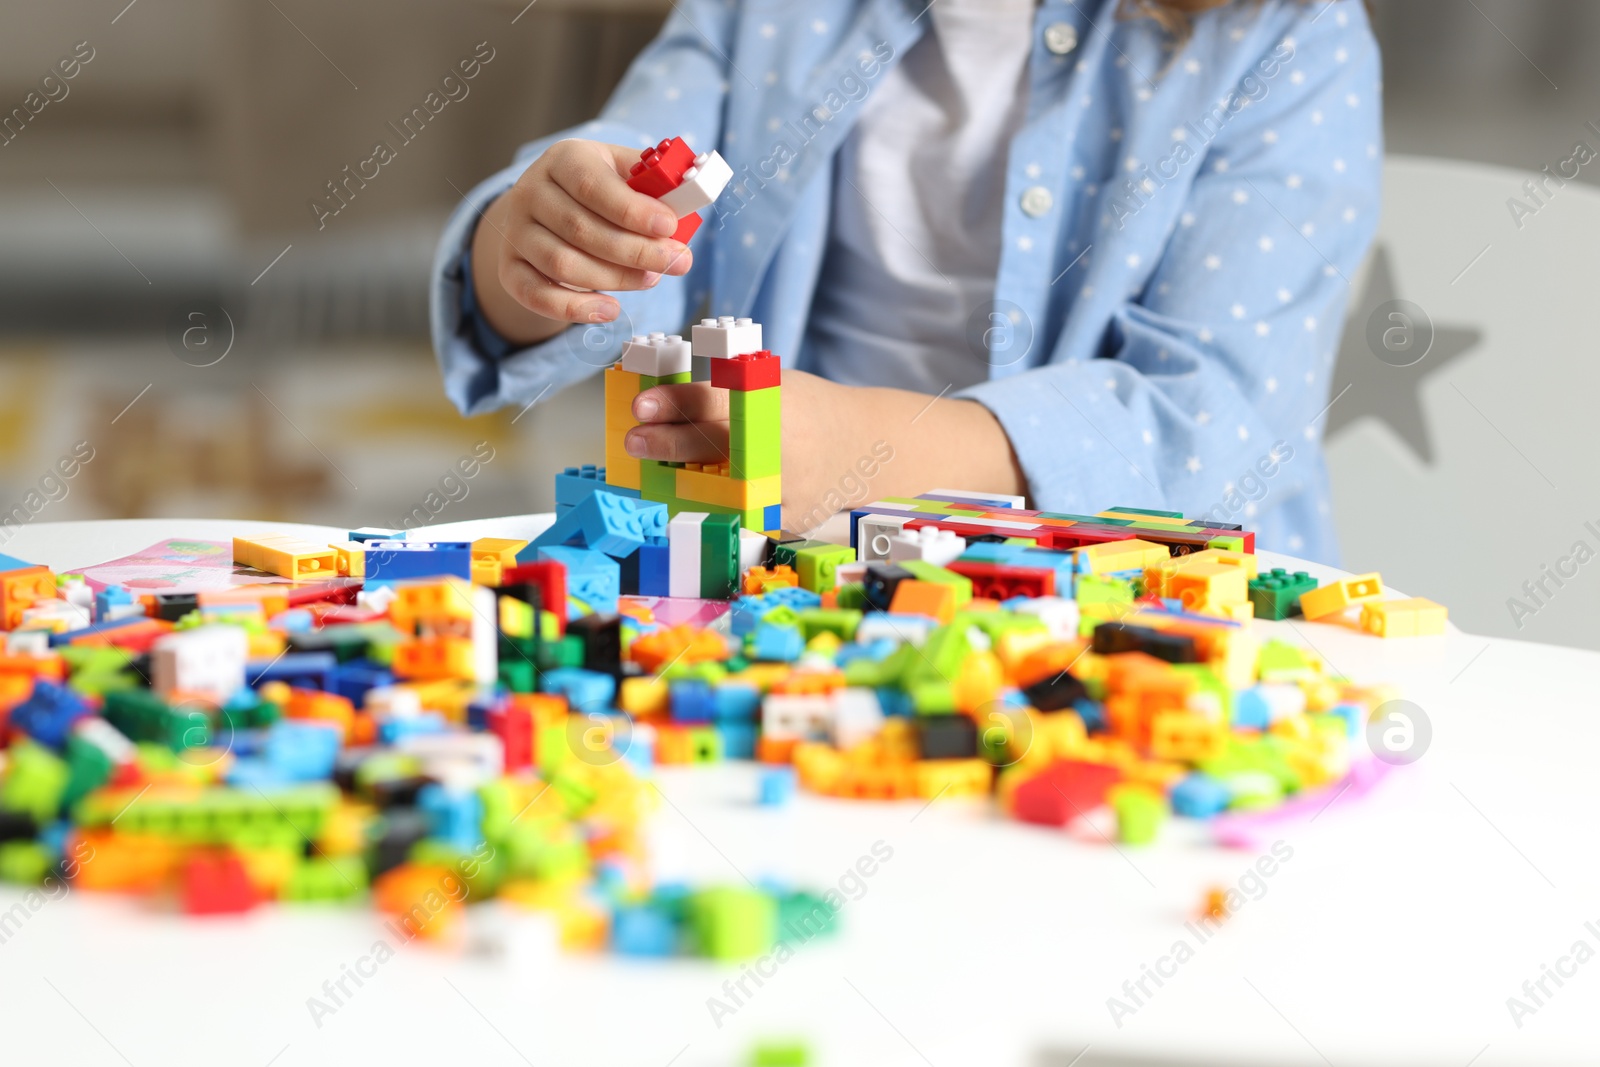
{"points": [[425, 900], [937, 600], [1178, 735], [21, 589], [319, 706], [760, 579]]}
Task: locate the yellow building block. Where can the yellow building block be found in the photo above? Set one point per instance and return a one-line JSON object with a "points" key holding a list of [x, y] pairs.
{"points": [[1128, 555], [350, 558], [952, 777], [1155, 578], [287, 557], [449, 599], [702, 488], [621, 387], [490, 557], [1184, 736], [1416, 617], [1335, 597], [1206, 587]]}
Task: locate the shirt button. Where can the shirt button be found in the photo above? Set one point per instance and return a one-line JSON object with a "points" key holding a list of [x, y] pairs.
{"points": [[1037, 201], [1060, 38]]}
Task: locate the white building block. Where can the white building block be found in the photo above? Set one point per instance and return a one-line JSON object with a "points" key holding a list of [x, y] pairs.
{"points": [[857, 717], [901, 629], [657, 355], [930, 543], [107, 738], [850, 573], [961, 494], [875, 535], [485, 636], [457, 761], [702, 184], [1060, 615], [725, 337], [28, 643], [797, 716], [208, 660], [752, 549], [58, 616], [683, 554]]}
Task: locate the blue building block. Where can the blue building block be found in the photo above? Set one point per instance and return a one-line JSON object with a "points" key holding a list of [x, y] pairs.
{"points": [[691, 700], [453, 817], [736, 702], [1354, 715], [895, 702], [1251, 710], [775, 644], [772, 517], [12, 563], [584, 690], [393, 730], [745, 614], [777, 785], [1092, 712], [303, 670], [303, 750], [48, 714], [643, 930], [249, 771], [68, 636], [294, 621], [606, 522], [574, 485], [112, 596], [641, 747], [592, 577], [389, 561], [354, 679], [738, 739], [792, 596], [1199, 796], [369, 533], [654, 570]]}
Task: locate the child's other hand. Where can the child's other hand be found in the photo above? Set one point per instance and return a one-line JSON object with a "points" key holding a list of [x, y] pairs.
{"points": [[570, 226]]}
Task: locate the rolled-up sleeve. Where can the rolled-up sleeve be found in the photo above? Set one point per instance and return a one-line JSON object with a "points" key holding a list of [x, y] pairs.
{"points": [[676, 87], [1208, 359]]}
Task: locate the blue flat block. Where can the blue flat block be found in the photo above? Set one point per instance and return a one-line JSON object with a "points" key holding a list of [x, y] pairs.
{"points": [[772, 518], [303, 670], [896, 702], [252, 771], [738, 739], [56, 640], [641, 750], [396, 560], [1199, 796], [736, 702], [303, 750], [1251, 711], [575, 484], [986, 504], [391, 731], [745, 614], [592, 577], [585, 690], [778, 786], [792, 596], [106, 599]]}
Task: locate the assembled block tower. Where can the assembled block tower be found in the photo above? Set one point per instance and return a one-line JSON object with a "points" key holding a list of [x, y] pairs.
{"points": [[725, 352]]}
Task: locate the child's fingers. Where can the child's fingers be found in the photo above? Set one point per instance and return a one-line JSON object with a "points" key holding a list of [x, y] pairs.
{"points": [[688, 402], [595, 180], [606, 241], [688, 442], [559, 261], [534, 291]]}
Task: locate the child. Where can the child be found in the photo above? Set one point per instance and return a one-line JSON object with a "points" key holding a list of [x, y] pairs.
{"points": [[1093, 251]]}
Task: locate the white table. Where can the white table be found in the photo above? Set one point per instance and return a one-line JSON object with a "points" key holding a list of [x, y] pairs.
{"points": [[1394, 934]]}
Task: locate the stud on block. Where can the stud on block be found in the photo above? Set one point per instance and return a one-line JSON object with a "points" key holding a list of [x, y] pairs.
{"points": [[661, 169], [726, 337], [656, 355], [700, 185]]}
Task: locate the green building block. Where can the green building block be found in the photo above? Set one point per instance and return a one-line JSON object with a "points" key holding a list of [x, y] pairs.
{"points": [[787, 553], [803, 916], [648, 381], [88, 768], [818, 565], [924, 571], [24, 862], [1279, 661], [143, 716], [852, 596], [719, 557], [732, 923], [1276, 593], [781, 1054], [1102, 589], [758, 409], [705, 745], [1227, 542], [1137, 512], [932, 696], [838, 621], [1140, 814], [321, 880], [35, 781]]}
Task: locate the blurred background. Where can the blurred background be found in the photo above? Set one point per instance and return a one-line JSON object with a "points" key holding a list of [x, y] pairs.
{"points": [[178, 171]]}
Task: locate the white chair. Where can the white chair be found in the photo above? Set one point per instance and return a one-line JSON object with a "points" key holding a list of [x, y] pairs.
{"points": [[1472, 472]]}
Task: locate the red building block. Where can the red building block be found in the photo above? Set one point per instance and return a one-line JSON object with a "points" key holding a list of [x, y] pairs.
{"points": [[1063, 791], [551, 579], [688, 226], [513, 724], [216, 883], [660, 169], [747, 373], [996, 581]]}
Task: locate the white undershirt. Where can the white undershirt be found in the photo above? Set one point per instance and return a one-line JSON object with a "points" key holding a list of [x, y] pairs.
{"points": [[915, 239]]}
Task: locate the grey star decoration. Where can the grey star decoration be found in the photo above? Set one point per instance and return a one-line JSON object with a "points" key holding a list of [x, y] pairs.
{"points": [[1390, 345]]}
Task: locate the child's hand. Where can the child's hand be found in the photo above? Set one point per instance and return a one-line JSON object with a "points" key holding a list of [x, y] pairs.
{"points": [[570, 226]]}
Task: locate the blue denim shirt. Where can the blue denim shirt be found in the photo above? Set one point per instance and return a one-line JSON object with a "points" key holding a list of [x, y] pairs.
{"points": [[1164, 329]]}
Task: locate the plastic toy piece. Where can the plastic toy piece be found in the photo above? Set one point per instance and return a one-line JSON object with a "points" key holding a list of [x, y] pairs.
{"points": [[656, 355], [725, 337], [719, 557], [492, 555], [287, 557], [396, 560], [21, 589], [621, 386], [208, 662], [683, 539], [349, 558], [747, 372], [700, 186], [669, 167], [931, 544], [1335, 597], [1276, 594], [1416, 617], [606, 522]]}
